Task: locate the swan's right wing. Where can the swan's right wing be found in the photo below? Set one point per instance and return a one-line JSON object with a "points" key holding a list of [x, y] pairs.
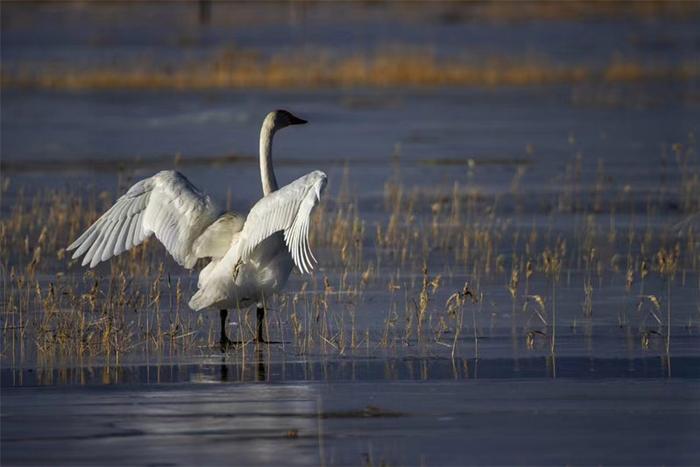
{"points": [[166, 204], [289, 210]]}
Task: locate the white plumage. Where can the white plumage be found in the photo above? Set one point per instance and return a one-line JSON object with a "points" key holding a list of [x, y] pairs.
{"points": [[166, 205], [251, 256], [287, 210], [259, 260]]}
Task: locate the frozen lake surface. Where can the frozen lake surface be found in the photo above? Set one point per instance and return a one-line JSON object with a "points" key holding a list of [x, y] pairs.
{"points": [[211, 418]]}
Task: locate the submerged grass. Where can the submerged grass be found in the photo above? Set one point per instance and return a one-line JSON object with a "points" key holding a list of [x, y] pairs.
{"points": [[430, 268]]}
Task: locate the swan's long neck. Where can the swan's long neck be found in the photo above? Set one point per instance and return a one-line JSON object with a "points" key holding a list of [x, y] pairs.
{"points": [[267, 174]]}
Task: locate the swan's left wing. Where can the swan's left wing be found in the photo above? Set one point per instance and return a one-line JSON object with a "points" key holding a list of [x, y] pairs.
{"points": [[166, 205], [289, 210]]}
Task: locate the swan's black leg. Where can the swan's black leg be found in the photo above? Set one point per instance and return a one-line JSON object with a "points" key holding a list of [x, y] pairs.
{"points": [[224, 340], [261, 323], [260, 376]]}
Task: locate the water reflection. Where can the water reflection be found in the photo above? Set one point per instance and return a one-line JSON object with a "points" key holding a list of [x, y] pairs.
{"points": [[260, 369], [186, 424]]}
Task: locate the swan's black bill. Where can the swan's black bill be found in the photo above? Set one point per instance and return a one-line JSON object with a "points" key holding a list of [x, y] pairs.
{"points": [[296, 120]]}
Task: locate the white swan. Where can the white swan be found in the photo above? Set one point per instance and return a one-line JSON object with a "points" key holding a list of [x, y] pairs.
{"points": [[251, 257]]}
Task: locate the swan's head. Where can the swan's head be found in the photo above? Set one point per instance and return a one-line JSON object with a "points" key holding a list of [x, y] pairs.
{"points": [[281, 118]]}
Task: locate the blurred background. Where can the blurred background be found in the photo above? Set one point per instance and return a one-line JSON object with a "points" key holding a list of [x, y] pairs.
{"points": [[493, 89]]}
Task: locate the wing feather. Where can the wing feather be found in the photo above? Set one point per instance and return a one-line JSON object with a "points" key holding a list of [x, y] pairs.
{"points": [[120, 246], [87, 242], [90, 250], [139, 235], [88, 234], [287, 210], [131, 228], [166, 205], [94, 249], [108, 251]]}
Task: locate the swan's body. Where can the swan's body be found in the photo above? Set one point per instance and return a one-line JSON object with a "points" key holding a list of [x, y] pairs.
{"points": [[258, 262], [251, 256]]}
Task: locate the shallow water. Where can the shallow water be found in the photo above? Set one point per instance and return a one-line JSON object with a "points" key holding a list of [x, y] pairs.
{"points": [[545, 159]]}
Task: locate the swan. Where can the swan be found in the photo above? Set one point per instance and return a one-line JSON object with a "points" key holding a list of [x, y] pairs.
{"points": [[250, 257]]}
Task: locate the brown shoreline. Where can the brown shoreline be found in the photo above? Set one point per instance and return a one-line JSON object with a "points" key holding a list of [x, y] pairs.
{"points": [[418, 70]]}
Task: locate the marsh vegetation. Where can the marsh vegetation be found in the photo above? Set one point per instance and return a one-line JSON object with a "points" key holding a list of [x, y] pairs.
{"points": [[434, 271]]}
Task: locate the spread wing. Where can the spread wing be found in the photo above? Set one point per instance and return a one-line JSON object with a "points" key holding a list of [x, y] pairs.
{"points": [[166, 205], [289, 210]]}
